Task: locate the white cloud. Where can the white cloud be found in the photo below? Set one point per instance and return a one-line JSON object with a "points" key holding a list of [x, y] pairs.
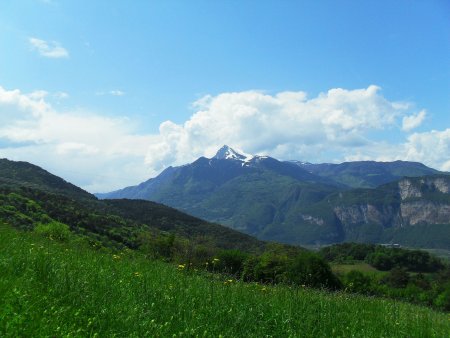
{"points": [[101, 153], [106, 150], [432, 147], [49, 49], [413, 121], [61, 95], [114, 92], [117, 92], [286, 125]]}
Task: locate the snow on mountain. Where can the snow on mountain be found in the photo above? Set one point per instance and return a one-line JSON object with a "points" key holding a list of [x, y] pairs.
{"points": [[228, 153]]}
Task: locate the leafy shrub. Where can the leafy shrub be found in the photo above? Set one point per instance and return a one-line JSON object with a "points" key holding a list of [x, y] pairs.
{"points": [[442, 301], [397, 278], [310, 269], [270, 267], [231, 261], [356, 281], [411, 260], [306, 268], [156, 245], [54, 230]]}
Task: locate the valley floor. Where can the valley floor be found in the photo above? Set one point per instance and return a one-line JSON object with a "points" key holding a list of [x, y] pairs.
{"points": [[68, 289]]}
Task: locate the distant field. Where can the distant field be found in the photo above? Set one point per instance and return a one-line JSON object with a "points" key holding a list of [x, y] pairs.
{"points": [[51, 289], [359, 266], [441, 253]]}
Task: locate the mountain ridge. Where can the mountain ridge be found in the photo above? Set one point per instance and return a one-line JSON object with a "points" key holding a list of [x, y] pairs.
{"points": [[30, 195], [282, 200]]}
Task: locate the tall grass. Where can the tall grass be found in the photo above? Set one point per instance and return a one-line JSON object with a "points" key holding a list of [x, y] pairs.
{"points": [[53, 289]]}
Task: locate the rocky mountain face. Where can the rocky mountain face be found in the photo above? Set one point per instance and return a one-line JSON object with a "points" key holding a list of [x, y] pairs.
{"points": [[414, 201], [419, 202], [297, 203], [408, 203]]}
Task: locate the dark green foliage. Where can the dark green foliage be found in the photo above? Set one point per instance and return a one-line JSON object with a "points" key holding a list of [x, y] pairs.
{"points": [[310, 269], [401, 281], [270, 267], [157, 246], [54, 231], [230, 262], [381, 260], [347, 252], [382, 257], [304, 269], [356, 281], [412, 260], [442, 301], [171, 220], [397, 278]]}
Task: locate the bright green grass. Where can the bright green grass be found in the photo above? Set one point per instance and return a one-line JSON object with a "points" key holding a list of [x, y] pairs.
{"points": [[51, 289]]}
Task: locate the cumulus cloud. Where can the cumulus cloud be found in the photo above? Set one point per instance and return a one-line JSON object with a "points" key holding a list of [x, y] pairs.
{"points": [[96, 152], [431, 147], [413, 121], [49, 49], [101, 153], [114, 92], [286, 125]]}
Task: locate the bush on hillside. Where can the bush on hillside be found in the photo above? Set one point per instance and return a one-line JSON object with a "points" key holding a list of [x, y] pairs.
{"points": [[54, 230], [230, 261], [356, 281], [311, 270]]}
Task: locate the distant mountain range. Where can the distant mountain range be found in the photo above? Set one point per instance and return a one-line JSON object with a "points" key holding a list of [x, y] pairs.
{"points": [[367, 174], [303, 203]]}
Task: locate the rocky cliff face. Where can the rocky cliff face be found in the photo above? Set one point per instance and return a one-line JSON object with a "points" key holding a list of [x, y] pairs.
{"points": [[420, 201], [408, 189], [367, 213], [440, 183], [424, 212], [414, 188]]}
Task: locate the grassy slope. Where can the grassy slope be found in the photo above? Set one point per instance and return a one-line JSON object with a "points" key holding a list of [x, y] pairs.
{"points": [[53, 289], [359, 266]]}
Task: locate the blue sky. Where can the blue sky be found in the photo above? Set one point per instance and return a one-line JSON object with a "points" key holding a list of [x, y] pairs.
{"points": [[108, 93]]}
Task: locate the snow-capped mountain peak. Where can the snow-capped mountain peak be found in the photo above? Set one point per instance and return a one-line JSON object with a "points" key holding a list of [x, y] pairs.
{"points": [[228, 153]]}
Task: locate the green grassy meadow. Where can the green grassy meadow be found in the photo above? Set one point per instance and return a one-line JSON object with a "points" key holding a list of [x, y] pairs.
{"points": [[53, 289], [341, 268]]}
